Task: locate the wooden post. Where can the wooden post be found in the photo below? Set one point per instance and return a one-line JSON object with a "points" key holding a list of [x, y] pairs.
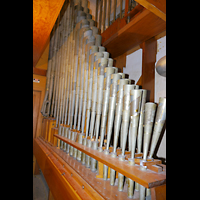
{"points": [[148, 67]]}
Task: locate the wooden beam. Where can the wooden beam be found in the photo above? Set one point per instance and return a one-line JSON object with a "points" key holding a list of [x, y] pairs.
{"points": [[141, 28], [148, 67], [148, 178], [151, 7], [54, 172], [38, 71]]}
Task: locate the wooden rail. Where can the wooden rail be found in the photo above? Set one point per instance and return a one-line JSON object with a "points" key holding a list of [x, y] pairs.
{"points": [[148, 178]]}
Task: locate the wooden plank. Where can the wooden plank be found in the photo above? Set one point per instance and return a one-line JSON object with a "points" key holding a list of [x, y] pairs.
{"points": [[97, 188], [148, 67], [148, 178], [143, 27], [66, 187], [119, 23], [158, 193], [161, 4], [38, 71], [151, 5]]}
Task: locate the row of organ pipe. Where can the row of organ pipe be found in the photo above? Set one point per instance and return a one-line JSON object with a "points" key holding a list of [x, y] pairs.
{"points": [[92, 102]]}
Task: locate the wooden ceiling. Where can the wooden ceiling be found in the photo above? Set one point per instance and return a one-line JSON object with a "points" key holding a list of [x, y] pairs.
{"points": [[45, 13]]}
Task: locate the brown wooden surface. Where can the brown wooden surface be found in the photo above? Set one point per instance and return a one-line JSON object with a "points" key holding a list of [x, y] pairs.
{"points": [[44, 16], [161, 4], [66, 187], [50, 196], [52, 123], [148, 178], [120, 23], [143, 27], [155, 6], [54, 138], [97, 188], [158, 193], [149, 52], [39, 87], [36, 107], [38, 71]]}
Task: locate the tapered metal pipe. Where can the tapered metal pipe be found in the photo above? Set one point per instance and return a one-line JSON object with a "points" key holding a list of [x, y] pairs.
{"points": [[142, 188], [66, 83], [84, 27], [134, 113], [96, 13], [118, 111], [85, 88], [106, 93], [120, 15], [65, 135], [80, 140], [75, 150], [100, 77], [63, 74], [93, 161], [121, 176], [93, 49], [109, 7], [87, 158], [129, 135], [83, 154], [130, 188], [72, 138], [68, 137], [100, 15], [57, 38], [112, 105], [141, 121], [104, 14], [159, 123], [115, 3], [135, 96], [86, 35], [75, 72], [124, 130], [125, 114], [150, 109], [94, 91], [105, 167], [100, 81]]}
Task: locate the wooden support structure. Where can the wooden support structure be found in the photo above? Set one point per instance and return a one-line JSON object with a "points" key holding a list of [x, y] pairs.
{"points": [[148, 67], [75, 181], [132, 172]]}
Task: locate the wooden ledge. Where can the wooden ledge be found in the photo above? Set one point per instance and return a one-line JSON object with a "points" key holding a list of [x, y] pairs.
{"points": [[148, 178]]}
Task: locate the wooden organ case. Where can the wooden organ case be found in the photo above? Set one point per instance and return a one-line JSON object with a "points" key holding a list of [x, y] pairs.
{"points": [[57, 153]]}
